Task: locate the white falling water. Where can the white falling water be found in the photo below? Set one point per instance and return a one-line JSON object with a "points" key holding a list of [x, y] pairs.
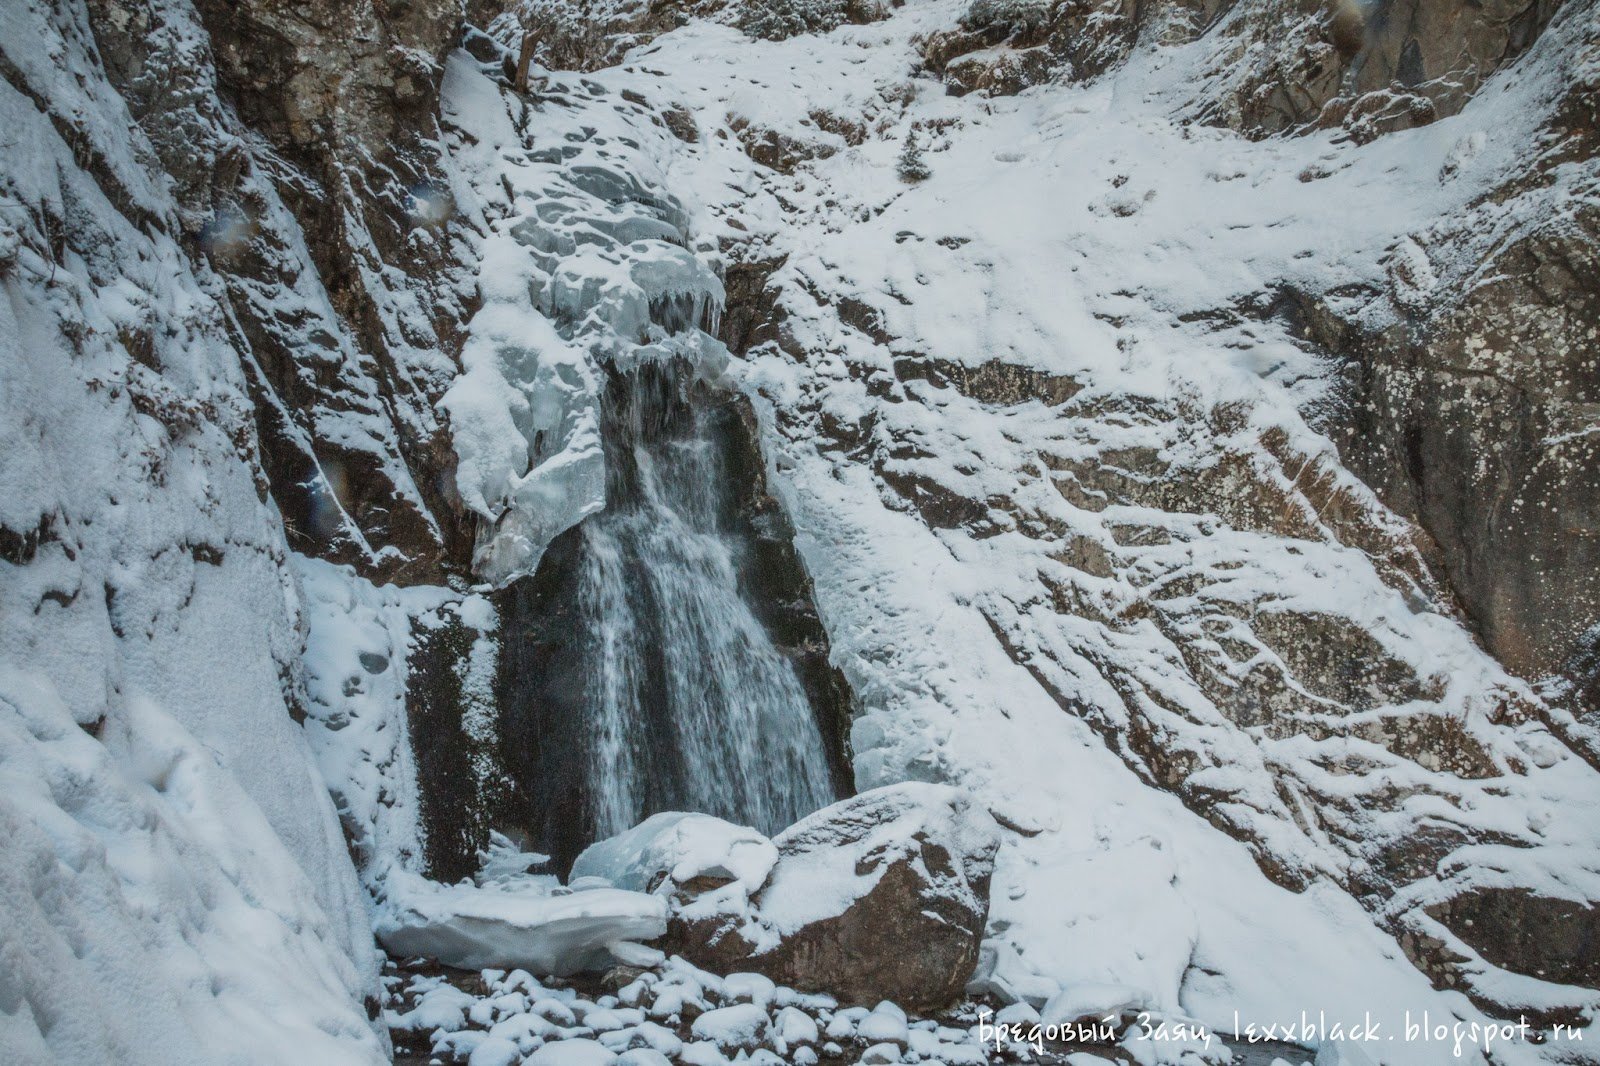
{"points": [[691, 707]]}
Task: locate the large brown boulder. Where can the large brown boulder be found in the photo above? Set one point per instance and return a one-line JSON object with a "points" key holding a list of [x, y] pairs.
{"points": [[882, 896]]}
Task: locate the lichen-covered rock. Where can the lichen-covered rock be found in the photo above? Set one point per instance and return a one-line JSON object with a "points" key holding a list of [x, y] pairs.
{"points": [[882, 896], [1472, 388]]}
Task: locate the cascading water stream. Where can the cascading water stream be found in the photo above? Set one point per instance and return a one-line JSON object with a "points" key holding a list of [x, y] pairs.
{"points": [[691, 707], [662, 653], [647, 677]]}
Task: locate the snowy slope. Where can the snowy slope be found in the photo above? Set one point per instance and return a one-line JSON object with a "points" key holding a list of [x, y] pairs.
{"points": [[175, 879]]}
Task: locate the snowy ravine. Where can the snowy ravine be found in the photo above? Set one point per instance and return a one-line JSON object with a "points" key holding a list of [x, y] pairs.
{"points": [[1059, 469]]}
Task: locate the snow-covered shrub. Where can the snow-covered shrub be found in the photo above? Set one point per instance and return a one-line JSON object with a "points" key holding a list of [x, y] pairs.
{"points": [[1008, 17], [775, 20], [911, 166]]}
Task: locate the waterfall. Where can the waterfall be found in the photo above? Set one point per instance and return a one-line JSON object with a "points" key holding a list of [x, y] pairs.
{"points": [[692, 707], [662, 685]]}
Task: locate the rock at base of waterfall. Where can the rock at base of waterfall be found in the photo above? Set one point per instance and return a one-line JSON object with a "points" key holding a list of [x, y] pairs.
{"points": [[881, 896], [517, 922], [670, 851]]}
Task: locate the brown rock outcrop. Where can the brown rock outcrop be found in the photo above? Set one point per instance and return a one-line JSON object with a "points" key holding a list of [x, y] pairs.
{"points": [[881, 896], [1277, 65], [1474, 381]]}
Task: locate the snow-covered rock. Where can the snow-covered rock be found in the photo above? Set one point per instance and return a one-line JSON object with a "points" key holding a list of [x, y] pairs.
{"points": [[673, 849], [572, 1053], [516, 923], [886, 1024], [881, 896], [740, 1026], [480, 1013], [795, 1028]]}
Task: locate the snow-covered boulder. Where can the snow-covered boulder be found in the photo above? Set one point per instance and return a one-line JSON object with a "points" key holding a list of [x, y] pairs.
{"points": [[671, 850], [734, 1028], [881, 896]]}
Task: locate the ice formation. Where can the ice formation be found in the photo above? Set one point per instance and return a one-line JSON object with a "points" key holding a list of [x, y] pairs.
{"points": [[585, 268]]}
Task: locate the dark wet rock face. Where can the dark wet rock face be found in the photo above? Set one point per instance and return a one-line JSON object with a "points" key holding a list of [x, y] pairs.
{"points": [[452, 716]]}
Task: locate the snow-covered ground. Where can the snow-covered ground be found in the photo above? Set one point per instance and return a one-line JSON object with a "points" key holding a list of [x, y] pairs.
{"points": [[676, 1012]]}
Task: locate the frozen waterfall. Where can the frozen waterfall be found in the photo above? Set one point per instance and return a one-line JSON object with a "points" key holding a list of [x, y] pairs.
{"points": [[660, 649]]}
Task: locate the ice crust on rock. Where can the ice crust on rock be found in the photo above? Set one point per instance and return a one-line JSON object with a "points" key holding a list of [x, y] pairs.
{"points": [[357, 650], [516, 923], [585, 269]]}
